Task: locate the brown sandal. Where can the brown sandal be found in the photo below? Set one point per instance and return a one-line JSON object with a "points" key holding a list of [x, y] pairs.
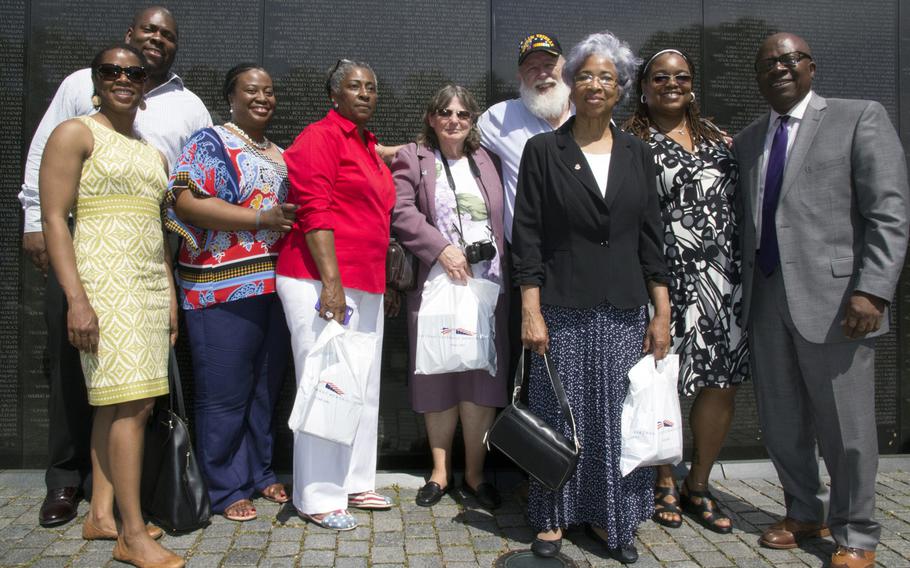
{"points": [[276, 493], [235, 511]]}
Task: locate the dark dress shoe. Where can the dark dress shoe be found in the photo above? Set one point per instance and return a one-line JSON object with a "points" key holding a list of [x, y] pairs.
{"points": [[624, 554], [546, 548], [486, 494], [430, 494], [59, 506]]}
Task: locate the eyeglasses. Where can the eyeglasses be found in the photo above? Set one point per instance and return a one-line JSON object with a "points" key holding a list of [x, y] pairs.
{"points": [[605, 80], [338, 64], [447, 113], [328, 78], [661, 79], [112, 72], [790, 60]]}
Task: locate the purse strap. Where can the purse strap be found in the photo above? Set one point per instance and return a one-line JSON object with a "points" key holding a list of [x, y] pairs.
{"points": [[175, 389], [555, 382]]}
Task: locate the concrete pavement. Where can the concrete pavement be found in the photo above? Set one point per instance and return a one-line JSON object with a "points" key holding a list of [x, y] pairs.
{"points": [[455, 533]]}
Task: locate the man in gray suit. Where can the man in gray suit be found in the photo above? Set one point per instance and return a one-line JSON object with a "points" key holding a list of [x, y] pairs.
{"points": [[824, 214]]}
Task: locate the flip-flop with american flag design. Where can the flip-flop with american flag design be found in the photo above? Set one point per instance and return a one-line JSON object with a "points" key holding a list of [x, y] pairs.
{"points": [[369, 500]]}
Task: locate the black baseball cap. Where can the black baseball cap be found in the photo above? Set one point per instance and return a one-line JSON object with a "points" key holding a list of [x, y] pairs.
{"points": [[538, 42]]}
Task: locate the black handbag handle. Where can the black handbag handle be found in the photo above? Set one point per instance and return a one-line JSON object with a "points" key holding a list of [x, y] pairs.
{"points": [[175, 389], [555, 382]]}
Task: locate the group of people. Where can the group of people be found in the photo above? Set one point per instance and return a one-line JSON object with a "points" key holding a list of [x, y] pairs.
{"points": [[606, 242]]}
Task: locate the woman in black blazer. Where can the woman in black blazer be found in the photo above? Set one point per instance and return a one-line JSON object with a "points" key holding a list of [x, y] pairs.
{"points": [[588, 255]]}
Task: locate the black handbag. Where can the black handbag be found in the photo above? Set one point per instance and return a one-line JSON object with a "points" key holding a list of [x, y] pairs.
{"points": [[174, 493], [400, 270], [530, 442]]}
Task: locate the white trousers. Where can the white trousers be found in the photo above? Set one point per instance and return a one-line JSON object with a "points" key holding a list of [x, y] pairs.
{"points": [[326, 472]]}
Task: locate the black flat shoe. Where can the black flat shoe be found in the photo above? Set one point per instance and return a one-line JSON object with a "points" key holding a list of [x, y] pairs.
{"points": [[546, 548], [624, 554], [430, 494], [486, 494]]}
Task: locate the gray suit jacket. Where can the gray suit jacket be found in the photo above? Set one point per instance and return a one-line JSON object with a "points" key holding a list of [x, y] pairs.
{"points": [[842, 218]]}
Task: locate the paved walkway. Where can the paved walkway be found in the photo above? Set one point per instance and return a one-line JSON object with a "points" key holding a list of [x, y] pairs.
{"points": [[454, 534]]}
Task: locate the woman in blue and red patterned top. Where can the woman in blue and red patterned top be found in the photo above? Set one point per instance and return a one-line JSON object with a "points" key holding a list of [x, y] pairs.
{"points": [[226, 199]]}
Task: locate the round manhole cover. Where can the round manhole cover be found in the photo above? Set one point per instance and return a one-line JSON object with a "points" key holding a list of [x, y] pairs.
{"points": [[526, 559]]}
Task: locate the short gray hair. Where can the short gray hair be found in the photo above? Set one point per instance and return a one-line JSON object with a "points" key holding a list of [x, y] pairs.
{"points": [[603, 44], [340, 70]]}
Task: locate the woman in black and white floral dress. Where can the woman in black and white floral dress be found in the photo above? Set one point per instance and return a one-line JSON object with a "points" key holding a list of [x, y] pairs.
{"points": [[696, 181]]}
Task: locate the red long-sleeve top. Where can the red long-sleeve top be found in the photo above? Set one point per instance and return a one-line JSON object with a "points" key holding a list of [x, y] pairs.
{"points": [[342, 185]]}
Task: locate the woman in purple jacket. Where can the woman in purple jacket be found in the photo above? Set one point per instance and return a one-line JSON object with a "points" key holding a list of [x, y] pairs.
{"points": [[449, 196]]}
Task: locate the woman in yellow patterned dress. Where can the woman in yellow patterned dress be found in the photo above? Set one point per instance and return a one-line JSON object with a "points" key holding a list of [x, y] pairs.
{"points": [[115, 274]]}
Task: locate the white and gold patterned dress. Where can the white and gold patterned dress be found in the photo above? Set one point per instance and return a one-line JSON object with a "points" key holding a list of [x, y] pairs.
{"points": [[120, 259]]}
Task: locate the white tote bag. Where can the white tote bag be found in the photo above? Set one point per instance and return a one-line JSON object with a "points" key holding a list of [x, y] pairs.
{"points": [[651, 419], [455, 326], [332, 387]]}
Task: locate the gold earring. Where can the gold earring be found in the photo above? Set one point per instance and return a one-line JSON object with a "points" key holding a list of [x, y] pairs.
{"points": [[96, 101]]}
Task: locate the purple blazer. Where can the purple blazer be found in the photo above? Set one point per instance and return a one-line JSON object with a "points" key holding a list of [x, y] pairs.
{"points": [[414, 222]]}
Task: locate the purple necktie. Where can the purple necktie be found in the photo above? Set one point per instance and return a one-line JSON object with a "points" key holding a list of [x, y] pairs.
{"points": [[768, 253]]}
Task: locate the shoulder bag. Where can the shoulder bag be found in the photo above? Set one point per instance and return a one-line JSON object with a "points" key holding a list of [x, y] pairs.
{"points": [[535, 446], [174, 493], [400, 272]]}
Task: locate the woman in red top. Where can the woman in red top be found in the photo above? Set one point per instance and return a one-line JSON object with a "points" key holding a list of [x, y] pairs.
{"points": [[334, 261]]}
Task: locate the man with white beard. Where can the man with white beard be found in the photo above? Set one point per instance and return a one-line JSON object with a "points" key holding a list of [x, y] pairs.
{"points": [[505, 127], [543, 106]]}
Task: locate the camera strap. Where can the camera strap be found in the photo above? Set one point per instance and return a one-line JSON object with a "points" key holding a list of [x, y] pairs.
{"points": [[476, 172]]}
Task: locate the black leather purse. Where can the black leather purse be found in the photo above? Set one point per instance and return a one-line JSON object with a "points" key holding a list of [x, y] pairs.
{"points": [[400, 268], [530, 442], [174, 493]]}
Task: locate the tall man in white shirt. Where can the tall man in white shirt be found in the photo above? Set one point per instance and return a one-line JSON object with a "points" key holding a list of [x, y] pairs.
{"points": [[543, 105], [170, 114], [823, 206]]}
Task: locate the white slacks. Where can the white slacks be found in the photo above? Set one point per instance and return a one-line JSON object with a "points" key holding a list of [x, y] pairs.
{"points": [[326, 472]]}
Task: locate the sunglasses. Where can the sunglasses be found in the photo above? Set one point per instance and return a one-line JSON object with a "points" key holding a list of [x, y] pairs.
{"points": [[447, 113], [661, 79], [112, 72]]}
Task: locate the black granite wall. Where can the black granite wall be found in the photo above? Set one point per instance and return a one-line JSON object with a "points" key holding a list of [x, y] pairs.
{"points": [[862, 51]]}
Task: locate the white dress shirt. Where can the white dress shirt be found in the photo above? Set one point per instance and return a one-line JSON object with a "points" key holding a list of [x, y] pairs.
{"points": [[172, 114], [504, 129], [796, 118]]}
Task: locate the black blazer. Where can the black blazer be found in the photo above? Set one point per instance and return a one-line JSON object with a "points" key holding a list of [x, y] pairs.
{"points": [[579, 247]]}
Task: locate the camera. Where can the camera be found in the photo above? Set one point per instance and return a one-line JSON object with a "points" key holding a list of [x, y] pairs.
{"points": [[480, 250]]}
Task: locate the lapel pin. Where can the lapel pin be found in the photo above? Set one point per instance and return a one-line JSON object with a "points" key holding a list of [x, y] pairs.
{"points": [[423, 172], [577, 166]]}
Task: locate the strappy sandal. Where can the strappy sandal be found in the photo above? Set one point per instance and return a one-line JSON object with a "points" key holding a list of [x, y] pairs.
{"points": [[233, 511], [707, 511], [339, 520], [276, 493], [663, 505]]}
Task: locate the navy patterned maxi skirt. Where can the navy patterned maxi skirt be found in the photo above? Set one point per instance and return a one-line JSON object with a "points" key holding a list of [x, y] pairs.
{"points": [[593, 350]]}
